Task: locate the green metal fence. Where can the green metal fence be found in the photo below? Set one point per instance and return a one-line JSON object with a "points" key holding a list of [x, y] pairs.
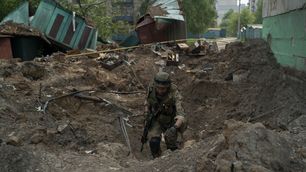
{"points": [[286, 34]]}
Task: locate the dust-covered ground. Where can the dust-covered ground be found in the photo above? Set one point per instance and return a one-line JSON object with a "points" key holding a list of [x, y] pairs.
{"points": [[245, 113]]}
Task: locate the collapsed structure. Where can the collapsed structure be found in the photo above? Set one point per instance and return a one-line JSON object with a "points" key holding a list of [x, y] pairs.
{"points": [[63, 28], [245, 112]]}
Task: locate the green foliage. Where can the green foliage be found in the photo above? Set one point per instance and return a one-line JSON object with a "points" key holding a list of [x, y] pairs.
{"points": [[230, 21], [101, 16], [8, 6], [144, 6], [96, 11], [258, 13], [226, 18], [200, 14]]}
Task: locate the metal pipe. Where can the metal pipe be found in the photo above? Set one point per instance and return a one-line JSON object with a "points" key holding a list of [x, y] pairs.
{"points": [[238, 31]]}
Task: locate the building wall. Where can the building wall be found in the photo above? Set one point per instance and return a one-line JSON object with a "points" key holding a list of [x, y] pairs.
{"points": [[276, 7], [287, 43], [222, 6], [253, 5]]}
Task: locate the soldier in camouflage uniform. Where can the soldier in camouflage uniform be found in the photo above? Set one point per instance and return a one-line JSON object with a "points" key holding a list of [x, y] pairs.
{"points": [[164, 98]]}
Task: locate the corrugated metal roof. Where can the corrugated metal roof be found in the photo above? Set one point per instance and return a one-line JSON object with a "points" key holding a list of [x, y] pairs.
{"points": [[171, 8]]}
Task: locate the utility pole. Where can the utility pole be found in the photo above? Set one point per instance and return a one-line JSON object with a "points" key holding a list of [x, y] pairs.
{"points": [[238, 31]]}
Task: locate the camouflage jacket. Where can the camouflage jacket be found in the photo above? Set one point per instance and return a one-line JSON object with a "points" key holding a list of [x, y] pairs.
{"points": [[170, 106]]}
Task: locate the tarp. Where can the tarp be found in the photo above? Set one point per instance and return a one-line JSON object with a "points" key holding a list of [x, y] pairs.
{"points": [[131, 40]]}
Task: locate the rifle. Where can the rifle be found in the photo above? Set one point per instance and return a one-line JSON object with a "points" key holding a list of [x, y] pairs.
{"points": [[147, 127]]}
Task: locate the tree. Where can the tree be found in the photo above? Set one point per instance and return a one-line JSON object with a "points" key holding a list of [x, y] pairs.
{"points": [[8, 6], [200, 14], [258, 13], [226, 17], [100, 14], [246, 17], [144, 6]]}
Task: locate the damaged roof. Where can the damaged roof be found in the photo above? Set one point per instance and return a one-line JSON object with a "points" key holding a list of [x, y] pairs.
{"points": [[166, 9], [18, 29]]}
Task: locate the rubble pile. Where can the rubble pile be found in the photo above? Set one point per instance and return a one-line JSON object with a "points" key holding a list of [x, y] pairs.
{"points": [[10, 28], [245, 112]]}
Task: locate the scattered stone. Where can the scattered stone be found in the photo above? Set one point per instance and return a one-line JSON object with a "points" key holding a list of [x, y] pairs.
{"points": [[32, 71], [253, 144], [62, 127], [37, 138], [16, 159], [14, 141], [51, 131], [189, 143]]}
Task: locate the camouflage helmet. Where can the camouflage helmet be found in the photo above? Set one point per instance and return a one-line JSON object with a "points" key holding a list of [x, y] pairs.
{"points": [[162, 79]]}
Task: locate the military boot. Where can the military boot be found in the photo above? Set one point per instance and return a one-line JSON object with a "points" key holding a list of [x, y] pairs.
{"points": [[155, 146]]}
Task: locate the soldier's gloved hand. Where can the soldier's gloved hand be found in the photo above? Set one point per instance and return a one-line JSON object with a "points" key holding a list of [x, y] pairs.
{"points": [[171, 131]]}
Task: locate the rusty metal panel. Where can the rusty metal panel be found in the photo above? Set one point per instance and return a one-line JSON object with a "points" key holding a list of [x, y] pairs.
{"points": [[173, 30], [70, 33], [56, 26], [177, 30], [84, 38], [160, 30], [5, 48], [146, 33]]}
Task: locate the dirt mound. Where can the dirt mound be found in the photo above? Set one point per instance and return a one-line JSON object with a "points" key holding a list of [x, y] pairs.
{"points": [[66, 111], [241, 147], [252, 147], [16, 159], [32, 71]]}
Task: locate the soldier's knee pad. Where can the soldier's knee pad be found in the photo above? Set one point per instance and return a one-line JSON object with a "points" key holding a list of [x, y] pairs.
{"points": [[155, 145]]}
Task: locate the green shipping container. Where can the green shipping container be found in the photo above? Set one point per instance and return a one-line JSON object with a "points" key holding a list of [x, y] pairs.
{"points": [[57, 23]]}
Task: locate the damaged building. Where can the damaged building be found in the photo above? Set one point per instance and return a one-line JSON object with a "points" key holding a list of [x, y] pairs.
{"points": [[63, 28], [164, 21]]}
